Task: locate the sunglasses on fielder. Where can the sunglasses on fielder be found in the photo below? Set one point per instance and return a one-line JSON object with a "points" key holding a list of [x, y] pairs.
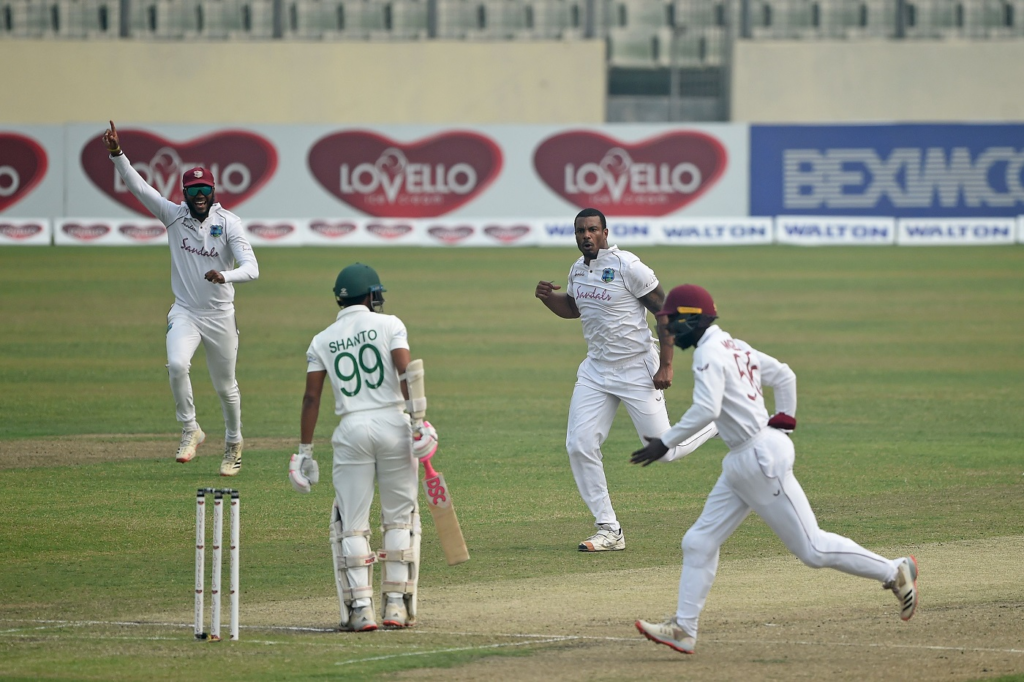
{"points": [[196, 190]]}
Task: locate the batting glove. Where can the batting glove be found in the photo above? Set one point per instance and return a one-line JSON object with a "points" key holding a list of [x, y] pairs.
{"points": [[783, 422], [303, 471], [424, 440]]}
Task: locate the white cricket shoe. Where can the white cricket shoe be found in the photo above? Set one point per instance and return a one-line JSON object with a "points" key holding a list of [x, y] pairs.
{"points": [[190, 440], [396, 615], [668, 633], [604, 540], [904, 586], [232, 462], [360, 619]]}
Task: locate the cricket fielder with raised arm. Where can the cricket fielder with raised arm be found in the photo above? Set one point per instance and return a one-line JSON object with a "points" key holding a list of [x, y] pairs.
{"points": [[206, 242], [757, 474], [365, 354], [612, 291]]}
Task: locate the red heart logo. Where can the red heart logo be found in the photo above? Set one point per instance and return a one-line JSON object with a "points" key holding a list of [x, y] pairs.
{"points": [[241, 163], [142, 233], [264, 231], [389, 231], [85, 233], [649, 178], [384, 178], [450, 235], [505, 234], [22, 166], [332, 230], [23, 231]]}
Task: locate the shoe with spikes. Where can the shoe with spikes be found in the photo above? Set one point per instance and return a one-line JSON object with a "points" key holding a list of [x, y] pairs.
{"points": [[904, 586]]}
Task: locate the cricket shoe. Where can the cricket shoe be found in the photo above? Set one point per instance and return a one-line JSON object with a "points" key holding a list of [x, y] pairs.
{"points": [[604, 540], [668, 633], [190, 440], [396, 615], [360, 620], [904, 586], [232, 462]]}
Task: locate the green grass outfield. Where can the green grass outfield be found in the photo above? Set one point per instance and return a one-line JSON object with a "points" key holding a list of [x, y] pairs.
{"points": [[910, 364]]}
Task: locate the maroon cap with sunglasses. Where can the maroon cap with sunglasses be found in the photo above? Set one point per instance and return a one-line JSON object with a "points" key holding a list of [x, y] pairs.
{"points": [[197, 176]]}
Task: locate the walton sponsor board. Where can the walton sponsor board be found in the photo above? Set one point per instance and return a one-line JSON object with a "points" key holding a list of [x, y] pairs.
{"points": [[962, 170], [832, 231], [956, 231], [715, 231], [621, 232]]}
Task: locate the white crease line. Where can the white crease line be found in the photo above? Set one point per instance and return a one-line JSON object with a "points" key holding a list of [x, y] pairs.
{"points": [[932, 647], [465, 648], [538, 638]]}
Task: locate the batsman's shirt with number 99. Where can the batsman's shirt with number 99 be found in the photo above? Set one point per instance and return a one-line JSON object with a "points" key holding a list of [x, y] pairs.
{"points": [[355, 352]]}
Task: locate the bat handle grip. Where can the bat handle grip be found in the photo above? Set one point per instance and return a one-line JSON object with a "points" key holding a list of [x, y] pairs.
{"points": [[428, 469]]}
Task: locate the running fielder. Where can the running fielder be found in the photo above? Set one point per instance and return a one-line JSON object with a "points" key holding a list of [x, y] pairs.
{"points": [[365, 353], [611, 291], [206, 242], [757, 474]]}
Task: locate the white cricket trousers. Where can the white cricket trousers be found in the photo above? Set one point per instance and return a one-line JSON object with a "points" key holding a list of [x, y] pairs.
{"points": [[218, 333], [368, 444], [758, 476], [600, 387]]}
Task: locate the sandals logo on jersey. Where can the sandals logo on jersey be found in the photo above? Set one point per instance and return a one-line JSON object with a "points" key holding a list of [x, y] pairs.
{"points": [[421, 179], [142, 233], [241, 163], [652, 177], [23, 164], [607, 275]]}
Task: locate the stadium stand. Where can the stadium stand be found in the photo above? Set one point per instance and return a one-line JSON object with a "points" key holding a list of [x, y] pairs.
{"points": [[676, 49]]}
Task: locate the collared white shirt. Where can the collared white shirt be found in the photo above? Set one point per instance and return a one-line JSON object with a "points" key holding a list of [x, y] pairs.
{"points": [[728, 375], [216, 243], [356, 353], [607, 293]]}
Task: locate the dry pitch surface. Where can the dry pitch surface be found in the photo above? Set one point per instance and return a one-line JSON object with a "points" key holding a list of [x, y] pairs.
{"points": [[766, 617]]}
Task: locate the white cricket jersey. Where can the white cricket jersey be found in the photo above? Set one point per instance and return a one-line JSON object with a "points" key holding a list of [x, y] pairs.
{"points": [[607, 293], [356, 353], [727, 378], [196, 248]]}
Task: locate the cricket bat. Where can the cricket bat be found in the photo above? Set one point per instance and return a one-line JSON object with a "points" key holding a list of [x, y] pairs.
{"points": [[439, 502], [439, 497]]}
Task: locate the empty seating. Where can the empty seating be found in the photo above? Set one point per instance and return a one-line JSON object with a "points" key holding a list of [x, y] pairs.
{"points": [[640, 14], [408, 19], [556, 18], [457, 18], [699, 13], [633, 48]]}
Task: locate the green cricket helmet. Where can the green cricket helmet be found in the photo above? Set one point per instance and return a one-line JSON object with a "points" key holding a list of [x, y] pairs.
{"points": [[355, 282], [689, 310]]}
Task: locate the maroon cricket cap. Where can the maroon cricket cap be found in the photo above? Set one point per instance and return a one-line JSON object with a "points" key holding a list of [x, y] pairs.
{"points": [[197, 176], [689, 299]]}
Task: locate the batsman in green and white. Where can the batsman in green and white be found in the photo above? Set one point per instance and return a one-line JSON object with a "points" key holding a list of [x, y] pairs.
{"points": [[365, 355]]}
